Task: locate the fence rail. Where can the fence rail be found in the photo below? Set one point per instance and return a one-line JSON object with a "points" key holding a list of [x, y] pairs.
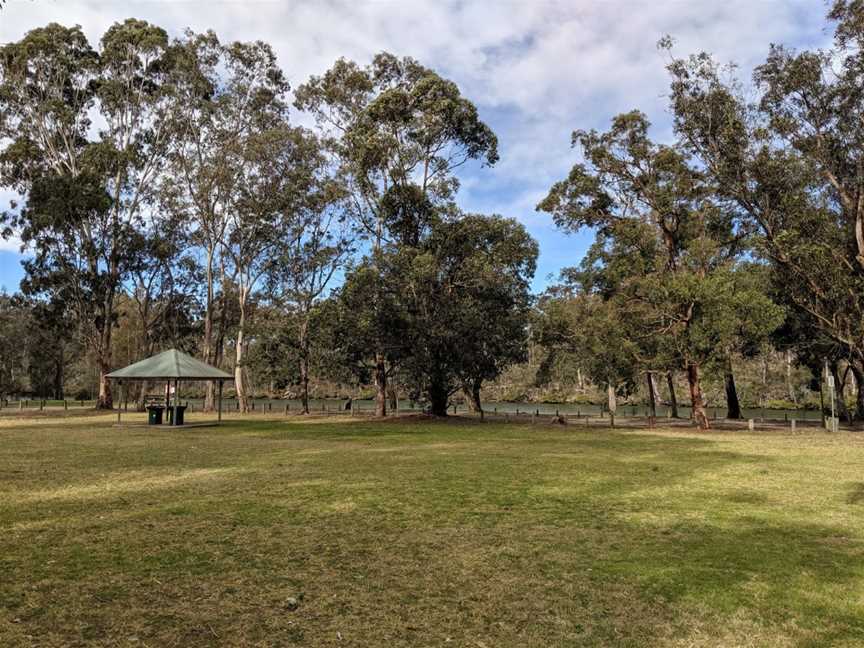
{"points": [[575, 414], [547, 409]]}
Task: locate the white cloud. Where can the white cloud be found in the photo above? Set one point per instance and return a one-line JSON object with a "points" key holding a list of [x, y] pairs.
{"points": [[10, 245], [536, 69]]}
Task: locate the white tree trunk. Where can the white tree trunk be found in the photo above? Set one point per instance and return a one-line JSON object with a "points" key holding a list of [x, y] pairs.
{"points": [[613, 401], [240, 357]]}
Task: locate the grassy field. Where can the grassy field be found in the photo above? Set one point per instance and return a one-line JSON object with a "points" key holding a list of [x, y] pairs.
{"points": [[416, 533]]}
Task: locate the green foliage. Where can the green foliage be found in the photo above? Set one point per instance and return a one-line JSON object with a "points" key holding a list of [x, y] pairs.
{"points": [[83, 195], [399, 131], [662, 272], [466, 293], [787, 168], [453, 311]]}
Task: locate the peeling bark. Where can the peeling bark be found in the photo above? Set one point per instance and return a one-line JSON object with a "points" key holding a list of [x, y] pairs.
{"points": [[700, 416], [380, 386], [471, 391]]}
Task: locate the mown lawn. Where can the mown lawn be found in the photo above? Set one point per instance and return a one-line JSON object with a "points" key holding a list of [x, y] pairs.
{"points": [[416, 533]]}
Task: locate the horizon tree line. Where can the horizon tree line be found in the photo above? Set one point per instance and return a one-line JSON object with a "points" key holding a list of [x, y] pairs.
{"points": [[163, 180]]}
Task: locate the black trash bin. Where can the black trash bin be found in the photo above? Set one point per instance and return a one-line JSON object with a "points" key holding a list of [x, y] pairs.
{"points": [[154, 415], [180, 410]]}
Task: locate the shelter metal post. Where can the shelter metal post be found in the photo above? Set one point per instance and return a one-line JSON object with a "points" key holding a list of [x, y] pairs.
{"points": [[120, 401], [219, 405], [176, 400]]}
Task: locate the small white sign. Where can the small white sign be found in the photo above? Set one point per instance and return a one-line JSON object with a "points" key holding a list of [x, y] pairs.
{"points": [[831, 382]]}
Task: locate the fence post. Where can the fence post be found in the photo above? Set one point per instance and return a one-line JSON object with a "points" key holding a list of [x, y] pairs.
{"points": [[792, 424], [750, 424]]}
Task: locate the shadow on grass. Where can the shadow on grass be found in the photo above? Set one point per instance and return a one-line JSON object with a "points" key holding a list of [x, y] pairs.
{"points": [[856, 494], [781, 576]]}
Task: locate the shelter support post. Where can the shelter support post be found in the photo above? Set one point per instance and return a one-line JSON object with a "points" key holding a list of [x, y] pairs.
{"points": [[219, 406], [176, 400], [120, 401]]}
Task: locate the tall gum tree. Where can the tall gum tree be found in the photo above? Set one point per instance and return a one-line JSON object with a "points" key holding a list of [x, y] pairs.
{"points": [[394, 126], [277, 167], [789, 165], [628, 183], [50, 83], [306, 266], [223, 92]]}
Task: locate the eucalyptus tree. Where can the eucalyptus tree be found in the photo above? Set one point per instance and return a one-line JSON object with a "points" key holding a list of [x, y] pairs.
{"points": [[85, 191], [277, 167], [581, 322], [466, 298], [15, 323], [399, 131], [162, 291], [685, 299], [624, 252], [306, 265], [224, 92], [788, 165]]}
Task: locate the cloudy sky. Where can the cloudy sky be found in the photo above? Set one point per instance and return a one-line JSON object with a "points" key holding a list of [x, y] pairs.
{"points": [[536, 70]]}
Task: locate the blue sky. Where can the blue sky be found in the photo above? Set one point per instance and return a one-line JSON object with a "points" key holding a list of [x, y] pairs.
{"points": [[536, 70]]}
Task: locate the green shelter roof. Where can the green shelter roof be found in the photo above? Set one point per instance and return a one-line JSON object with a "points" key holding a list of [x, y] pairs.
{"points": [[170, 364]]}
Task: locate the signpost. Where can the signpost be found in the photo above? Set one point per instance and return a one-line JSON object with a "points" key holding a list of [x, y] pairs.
{"points": [[830, 377]]}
